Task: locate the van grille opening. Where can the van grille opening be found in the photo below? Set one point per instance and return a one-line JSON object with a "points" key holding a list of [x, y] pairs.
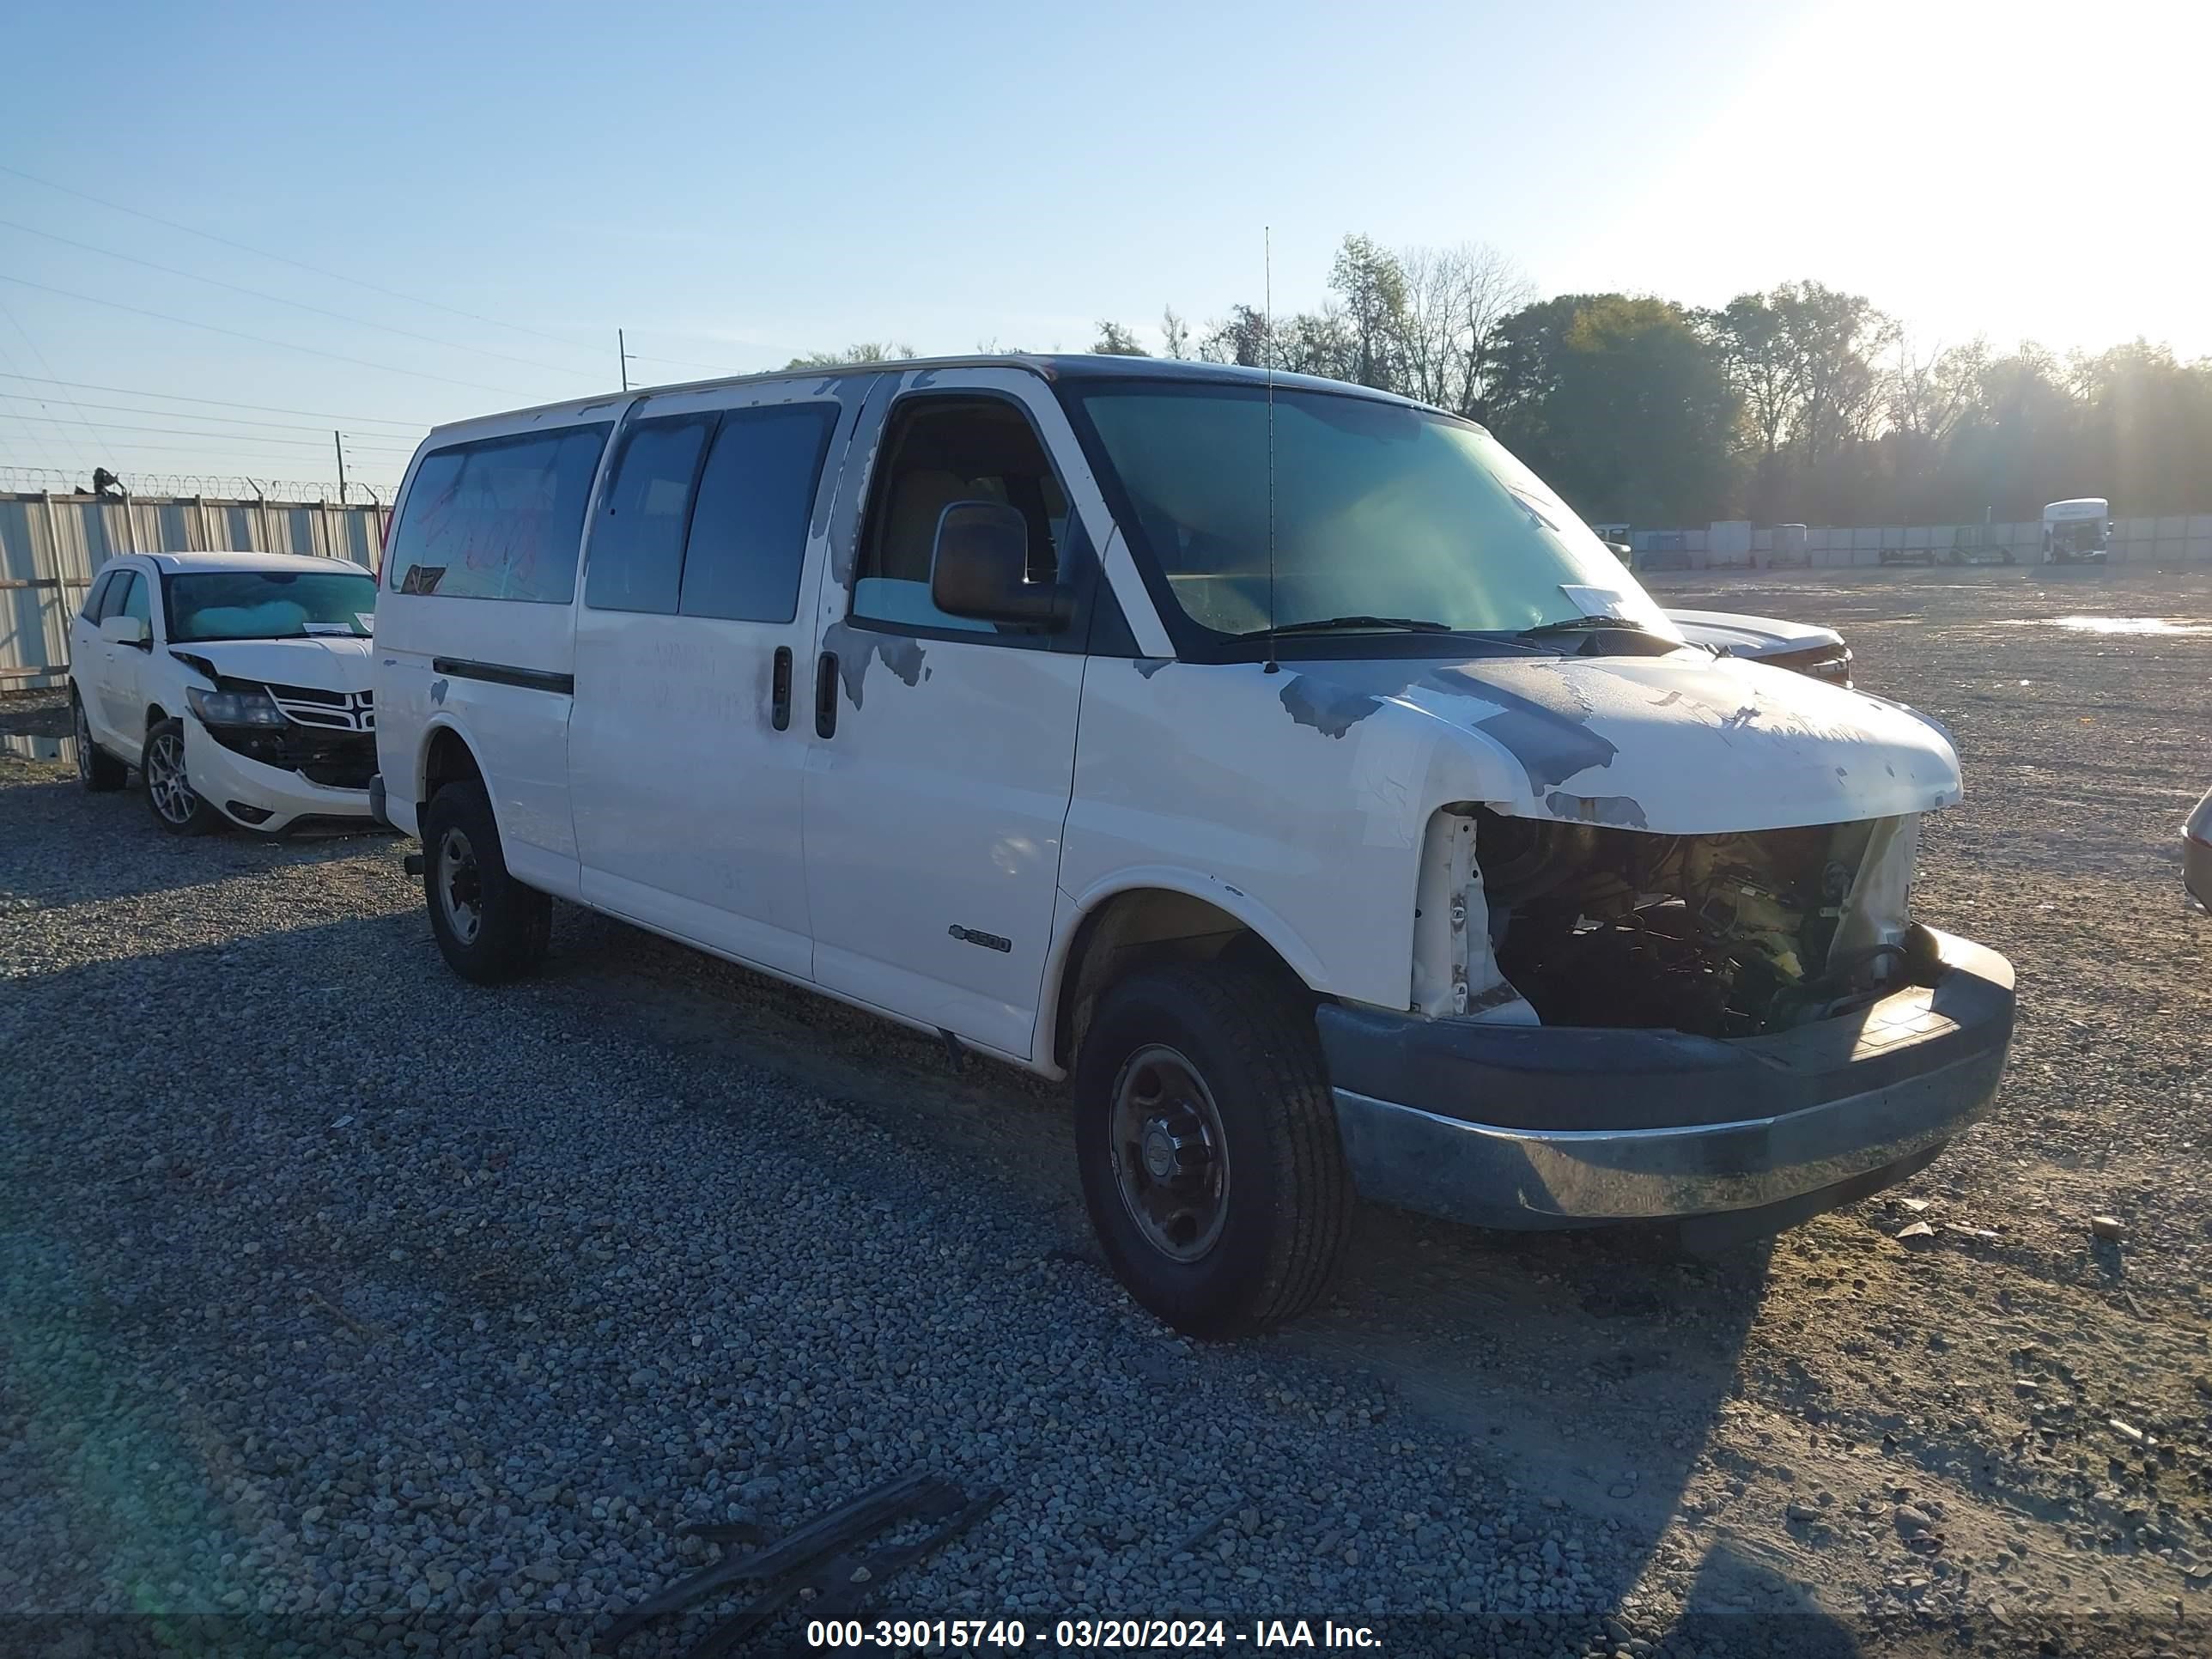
{"points": [[1723, 936]]}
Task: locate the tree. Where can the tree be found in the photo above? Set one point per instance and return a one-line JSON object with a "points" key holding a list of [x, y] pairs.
{"points": [[1175, 335], [1624, 404], [1242, 339], [2147, 427], [1755, 345], [1115, 341], [1929, 396], [868, 351], [1802, 359], [1373, 323], [1455, 297]]}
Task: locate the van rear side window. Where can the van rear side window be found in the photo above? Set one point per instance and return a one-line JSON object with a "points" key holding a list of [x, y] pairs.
{"points": [[749, 529], [707, 520], [637, 545], [499, 519]]}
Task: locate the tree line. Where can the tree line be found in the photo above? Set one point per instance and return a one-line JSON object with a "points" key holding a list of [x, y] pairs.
{"points": [[1801, 403]]}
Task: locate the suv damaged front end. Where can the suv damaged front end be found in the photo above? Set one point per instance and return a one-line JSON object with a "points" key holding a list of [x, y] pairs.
{"points": [[1626, 1008]]}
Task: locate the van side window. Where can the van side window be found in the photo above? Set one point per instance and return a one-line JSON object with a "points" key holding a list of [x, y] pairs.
{"points": [[749, 529], [943, 451], [498, 519], [637, 560]]}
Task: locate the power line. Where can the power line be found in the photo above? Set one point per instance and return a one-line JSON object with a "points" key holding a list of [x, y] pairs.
{"points": [[192, 415], [217, 402], [137, 447], [194, 432], [278, 299], [53, 450], [38, 356], [258, 339], [224, 444], [335, 275]]}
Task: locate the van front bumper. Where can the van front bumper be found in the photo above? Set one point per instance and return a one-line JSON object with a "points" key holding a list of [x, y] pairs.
{"points": [[1533, 1126]]}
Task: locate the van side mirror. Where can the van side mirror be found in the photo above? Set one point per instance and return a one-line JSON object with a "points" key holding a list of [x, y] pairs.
{"points": [[125, 630], [980, 569]]}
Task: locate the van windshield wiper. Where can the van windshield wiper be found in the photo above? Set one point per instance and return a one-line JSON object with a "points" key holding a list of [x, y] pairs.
{"points": [[1581, 624], [1332, 624]]}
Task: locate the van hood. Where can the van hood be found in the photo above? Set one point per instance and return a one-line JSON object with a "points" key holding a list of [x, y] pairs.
{"points": [[323, 663], [1684, 744]]}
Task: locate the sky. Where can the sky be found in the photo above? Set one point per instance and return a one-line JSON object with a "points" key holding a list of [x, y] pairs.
{"points": [[367, 219]]}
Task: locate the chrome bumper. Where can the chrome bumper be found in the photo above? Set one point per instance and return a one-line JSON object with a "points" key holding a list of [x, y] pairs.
{"points": [[1609, 1126]]}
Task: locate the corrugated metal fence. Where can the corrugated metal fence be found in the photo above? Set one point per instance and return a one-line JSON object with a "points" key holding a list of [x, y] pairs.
{"points": [[2179, 540], [51, 546]]}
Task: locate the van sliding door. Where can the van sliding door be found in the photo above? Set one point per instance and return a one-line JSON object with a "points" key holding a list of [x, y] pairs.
{"points": [[684, 755]]}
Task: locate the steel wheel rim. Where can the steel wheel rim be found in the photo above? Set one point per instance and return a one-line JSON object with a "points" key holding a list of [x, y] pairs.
{"points": [[460, 886], [1170, 1156], [81, 729], [166, 782]]}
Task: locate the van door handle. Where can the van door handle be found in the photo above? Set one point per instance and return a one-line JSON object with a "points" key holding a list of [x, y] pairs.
{"points": [[780, 690], [825, 696]]}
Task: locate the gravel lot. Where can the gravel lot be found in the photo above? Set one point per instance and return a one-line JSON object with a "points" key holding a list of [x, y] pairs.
{"points": [[379, 1313]]}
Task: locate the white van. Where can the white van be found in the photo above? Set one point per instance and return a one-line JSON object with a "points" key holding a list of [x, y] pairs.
{"points": [[1280, 762]]}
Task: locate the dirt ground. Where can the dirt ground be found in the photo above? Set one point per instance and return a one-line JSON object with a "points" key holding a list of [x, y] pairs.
{"points": [[1997, 1434]]}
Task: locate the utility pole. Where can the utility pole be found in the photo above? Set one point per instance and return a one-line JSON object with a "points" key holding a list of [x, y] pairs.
{"points": [[622, 350], [337, 442]]}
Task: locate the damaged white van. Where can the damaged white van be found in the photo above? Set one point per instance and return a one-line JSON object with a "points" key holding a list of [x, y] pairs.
{"points": [[1280, 761]]}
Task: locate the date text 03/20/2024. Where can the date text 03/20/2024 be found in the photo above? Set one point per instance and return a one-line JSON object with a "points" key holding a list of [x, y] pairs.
{"points": [[1009, 1634]]}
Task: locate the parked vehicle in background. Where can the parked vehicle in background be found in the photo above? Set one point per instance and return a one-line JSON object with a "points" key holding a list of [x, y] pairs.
{"points": [[236, 684], [1800, 647], [1283, 763], [2197, 853], [1789, 547], [1971, 544], [2078, 532]]}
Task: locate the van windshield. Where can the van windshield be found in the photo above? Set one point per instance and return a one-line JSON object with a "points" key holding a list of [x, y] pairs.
{"points": [[1380, 510], [268, 604]]}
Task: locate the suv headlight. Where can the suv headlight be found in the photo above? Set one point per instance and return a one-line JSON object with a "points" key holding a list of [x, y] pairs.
{"points": [[254, 707]]}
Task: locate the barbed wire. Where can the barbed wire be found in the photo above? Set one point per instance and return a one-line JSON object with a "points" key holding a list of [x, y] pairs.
{"points": [[153, 486]]}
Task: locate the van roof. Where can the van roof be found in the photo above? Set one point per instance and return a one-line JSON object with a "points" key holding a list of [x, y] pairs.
{"points": [[1058, 366], [2077, 507]]}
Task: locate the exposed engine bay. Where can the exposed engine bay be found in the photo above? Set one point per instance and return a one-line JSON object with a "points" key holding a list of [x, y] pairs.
{"points": [[1723, 936]]}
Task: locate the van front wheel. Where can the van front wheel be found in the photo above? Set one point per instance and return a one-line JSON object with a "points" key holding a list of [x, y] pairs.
{"points": [[1207, 1144], [490, 926]]}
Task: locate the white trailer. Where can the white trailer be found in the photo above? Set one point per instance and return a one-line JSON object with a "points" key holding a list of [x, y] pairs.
{"points": [[2077, 530]]}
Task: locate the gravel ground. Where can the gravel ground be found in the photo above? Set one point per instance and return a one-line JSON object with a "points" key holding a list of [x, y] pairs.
{"points": [[385, 1314]]}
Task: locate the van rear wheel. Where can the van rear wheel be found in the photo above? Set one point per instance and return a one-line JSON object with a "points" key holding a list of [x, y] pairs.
{"points": [[1207, 1141], [490, 926]]}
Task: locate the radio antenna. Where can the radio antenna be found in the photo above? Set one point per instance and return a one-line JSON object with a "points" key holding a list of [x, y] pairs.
{"points": [[1268, 298]]}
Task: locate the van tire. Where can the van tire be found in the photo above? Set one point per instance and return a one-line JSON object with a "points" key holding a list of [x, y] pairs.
{"points": [[1285, 1209], [489, 927], [96, 770]]}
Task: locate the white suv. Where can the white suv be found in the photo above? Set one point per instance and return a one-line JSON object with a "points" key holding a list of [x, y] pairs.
{"points": [[1280, 761], [238, 684]]}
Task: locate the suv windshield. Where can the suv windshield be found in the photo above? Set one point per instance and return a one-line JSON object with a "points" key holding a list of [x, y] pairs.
{"points": [[268, 604], [1380, 511]]}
